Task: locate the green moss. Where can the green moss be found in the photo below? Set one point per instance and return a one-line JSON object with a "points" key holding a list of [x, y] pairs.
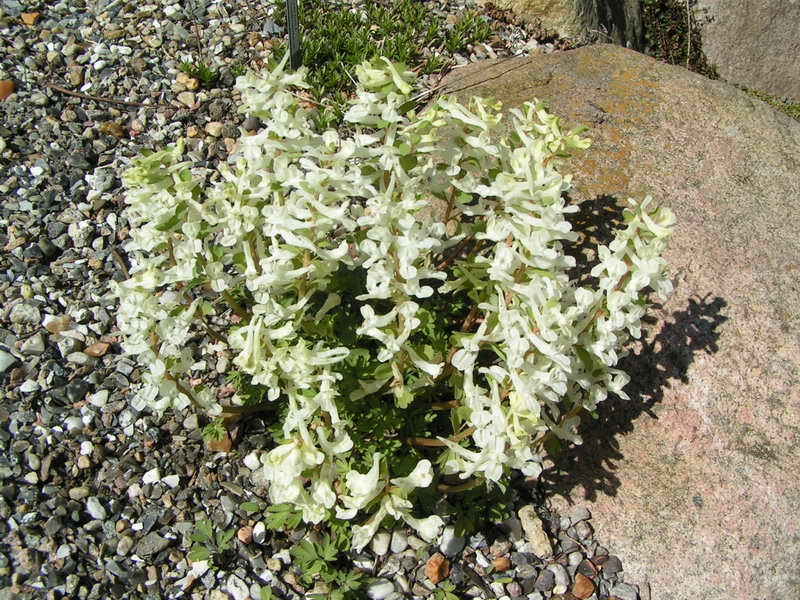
{"points": [[790, 108], [673, 37]]}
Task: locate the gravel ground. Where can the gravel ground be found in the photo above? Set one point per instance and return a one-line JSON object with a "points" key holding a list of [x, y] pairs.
{"points": [[98, 500]]}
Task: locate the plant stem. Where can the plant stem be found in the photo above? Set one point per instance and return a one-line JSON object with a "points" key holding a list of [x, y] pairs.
{"points": [[430, 442], [459, 248], [443, 405], [249, 410], [452, 489], [235, 306], [550, 435]]}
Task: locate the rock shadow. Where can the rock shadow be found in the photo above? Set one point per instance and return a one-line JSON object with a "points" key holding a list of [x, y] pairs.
{"points": [[654, 363]]}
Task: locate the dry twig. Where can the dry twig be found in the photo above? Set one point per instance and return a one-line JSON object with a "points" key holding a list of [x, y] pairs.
{"points": [[64, 90]]}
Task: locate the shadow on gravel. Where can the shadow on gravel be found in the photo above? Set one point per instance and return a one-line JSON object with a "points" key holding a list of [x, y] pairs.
{"points": [[652, 365]]}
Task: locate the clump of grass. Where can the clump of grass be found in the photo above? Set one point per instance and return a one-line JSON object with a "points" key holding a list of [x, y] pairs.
{"points": [[206, 75], [336, 37]]}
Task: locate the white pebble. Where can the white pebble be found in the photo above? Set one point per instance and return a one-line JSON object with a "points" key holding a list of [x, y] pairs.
{"points": [[259, 533], [152, 476], [29, 386], [380, 590], [134, 490], [86, 448], [99, 399], [237, 588], [451, 543], [172, 480], [95, 509], [399, 541], [73, 424], [380, 543], [251, 461]]}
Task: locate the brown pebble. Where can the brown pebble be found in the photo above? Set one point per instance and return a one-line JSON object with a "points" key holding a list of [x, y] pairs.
{"points": [[437, 568], [17, 375], [30, 18], [84, 462], [97, 349], [583, 587], [58, 324], [6, 88], [223, 445], [501, 563], [152, 574], [245, 534]]}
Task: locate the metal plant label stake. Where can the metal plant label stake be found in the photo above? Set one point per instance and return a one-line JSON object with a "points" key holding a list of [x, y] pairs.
{"points": [[295, 56]]}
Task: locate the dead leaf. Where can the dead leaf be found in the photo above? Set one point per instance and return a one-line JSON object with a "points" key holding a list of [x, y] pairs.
{"points": [[6, 88]]}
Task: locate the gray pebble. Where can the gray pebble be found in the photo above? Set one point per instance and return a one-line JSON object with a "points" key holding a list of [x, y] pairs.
{"points": [[25, 314], [39, 99], [34, 345], [6, 360], [611, 567], [251, 124], [514, 589], [124, 545], [151, 544], [625, 591], [583, 530], [561, 578], [580, 513], [545, 581], [527, 571]]}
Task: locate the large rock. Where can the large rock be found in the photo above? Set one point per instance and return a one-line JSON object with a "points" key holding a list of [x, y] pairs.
{"points": [[756, 44], [693, 482], [617, 21]]}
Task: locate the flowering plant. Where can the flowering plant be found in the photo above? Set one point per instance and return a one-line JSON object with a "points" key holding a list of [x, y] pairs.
{"points": [[400, 292]]}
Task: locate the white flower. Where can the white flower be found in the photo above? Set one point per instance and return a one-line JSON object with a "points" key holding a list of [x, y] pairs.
{"points": [[363, 488]]}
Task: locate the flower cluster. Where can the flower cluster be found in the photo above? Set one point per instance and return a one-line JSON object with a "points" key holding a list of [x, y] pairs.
{"points": [[334, 252]]}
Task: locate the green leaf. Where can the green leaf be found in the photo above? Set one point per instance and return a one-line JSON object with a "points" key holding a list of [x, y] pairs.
{"points": [[265, 593], [403, 399], [224, 538], [408, 162], [250, 507], [204, 531], [553, 447], [174, 220], [282, 516], [199, 553]]}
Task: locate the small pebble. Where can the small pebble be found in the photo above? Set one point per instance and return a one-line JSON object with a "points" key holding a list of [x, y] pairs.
{"points": [[451, 543], [95, 509], [380, 543]]}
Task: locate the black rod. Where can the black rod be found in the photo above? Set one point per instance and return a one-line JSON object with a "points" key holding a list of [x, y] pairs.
{"points": [[295, 55]]}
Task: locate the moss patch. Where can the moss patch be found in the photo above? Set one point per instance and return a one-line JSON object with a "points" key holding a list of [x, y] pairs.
{"points": [[790, 108], [672, 36]]}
